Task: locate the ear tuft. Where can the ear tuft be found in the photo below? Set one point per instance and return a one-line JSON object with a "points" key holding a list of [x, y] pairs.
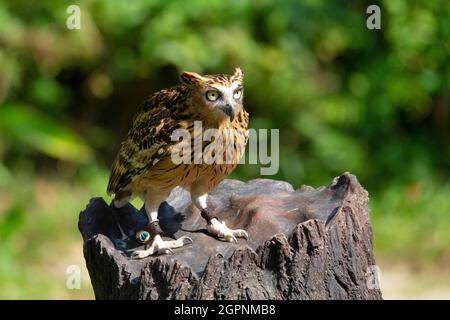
{"points": [[238, 74], [191, 78]]}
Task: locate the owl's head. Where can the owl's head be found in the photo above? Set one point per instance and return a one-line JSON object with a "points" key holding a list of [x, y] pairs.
{"points": [[219, 95]]}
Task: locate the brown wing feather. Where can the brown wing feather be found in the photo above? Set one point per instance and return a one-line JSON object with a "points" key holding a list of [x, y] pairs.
{"points": [[148, 140]]}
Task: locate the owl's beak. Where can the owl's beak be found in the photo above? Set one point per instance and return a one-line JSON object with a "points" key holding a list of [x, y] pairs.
{"points": [[229, 111]]}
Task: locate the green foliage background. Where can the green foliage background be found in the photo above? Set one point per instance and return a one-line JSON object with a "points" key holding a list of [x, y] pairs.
{"points": [[372, 102]]}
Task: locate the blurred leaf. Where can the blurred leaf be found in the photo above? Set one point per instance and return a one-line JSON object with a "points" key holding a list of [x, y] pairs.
{"points": [[5, 175], [30, 128], [49, 94], [11, 221]]}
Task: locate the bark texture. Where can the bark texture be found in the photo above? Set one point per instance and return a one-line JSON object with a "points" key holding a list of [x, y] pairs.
{"points": [[304, 244]]}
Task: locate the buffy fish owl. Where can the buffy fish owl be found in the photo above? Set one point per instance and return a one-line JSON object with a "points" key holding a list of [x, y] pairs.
{"points": [[145, 165]]}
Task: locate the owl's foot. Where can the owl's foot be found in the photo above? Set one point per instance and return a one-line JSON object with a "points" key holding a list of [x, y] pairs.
{"points": [[158, 245], [221, 230]]}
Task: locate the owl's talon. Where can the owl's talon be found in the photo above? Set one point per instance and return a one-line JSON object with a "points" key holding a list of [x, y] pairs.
{"points": [[221, 230], [167, 251], [241, 233], [183, 238]]}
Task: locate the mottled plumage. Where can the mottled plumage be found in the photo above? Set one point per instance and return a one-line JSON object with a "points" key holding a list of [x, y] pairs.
{"points": [[149, 138]]}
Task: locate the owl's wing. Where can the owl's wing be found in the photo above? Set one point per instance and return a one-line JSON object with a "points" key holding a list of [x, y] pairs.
{"points": [[148, 140]]}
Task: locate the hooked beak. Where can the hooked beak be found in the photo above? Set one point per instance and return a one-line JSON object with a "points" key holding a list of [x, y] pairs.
{"points": [[229, 111]]}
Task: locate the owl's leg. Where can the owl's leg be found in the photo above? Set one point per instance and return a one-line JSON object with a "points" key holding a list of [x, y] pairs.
{"points": [[153, 233], [216, 227]]}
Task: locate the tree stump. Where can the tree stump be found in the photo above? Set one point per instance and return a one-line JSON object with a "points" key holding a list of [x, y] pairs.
{"points": [[304, 244]]}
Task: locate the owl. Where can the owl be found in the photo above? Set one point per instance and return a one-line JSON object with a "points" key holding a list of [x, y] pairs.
{"points": [[145, 165]]}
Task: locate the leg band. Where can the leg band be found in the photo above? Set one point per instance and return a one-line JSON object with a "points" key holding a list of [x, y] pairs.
{"points": [[149, 232], [153, 228]]}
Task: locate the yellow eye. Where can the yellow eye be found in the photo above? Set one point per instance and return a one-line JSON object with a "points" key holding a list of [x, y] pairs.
{"points": [[212, 95], [237, 94]]}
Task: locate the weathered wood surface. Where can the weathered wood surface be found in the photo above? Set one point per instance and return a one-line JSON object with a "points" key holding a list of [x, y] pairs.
{"points": [[304, 244]]}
